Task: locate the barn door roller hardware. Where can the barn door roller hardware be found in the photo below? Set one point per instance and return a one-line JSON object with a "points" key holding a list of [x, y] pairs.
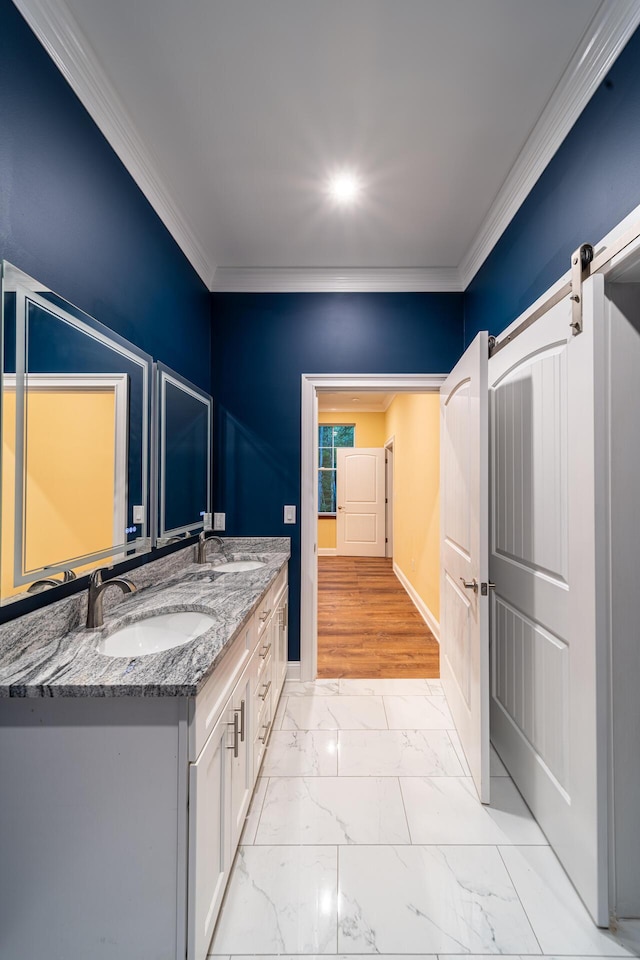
{"points": [[580, 263], [581, 268], [584, 263]]}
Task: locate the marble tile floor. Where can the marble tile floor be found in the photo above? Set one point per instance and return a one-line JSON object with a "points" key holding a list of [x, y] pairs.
{"points": [[365, 837]]}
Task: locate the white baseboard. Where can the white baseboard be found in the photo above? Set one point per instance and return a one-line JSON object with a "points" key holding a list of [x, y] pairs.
{"points": [[293, 670], [327, 551], [418, 602]]}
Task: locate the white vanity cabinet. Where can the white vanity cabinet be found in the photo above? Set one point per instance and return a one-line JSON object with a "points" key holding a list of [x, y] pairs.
{"points": [[235, 712], [120, 816]]}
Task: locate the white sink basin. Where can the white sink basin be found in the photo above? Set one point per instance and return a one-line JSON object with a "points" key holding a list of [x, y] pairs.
{"points": [[155, 634], [238, 566]]}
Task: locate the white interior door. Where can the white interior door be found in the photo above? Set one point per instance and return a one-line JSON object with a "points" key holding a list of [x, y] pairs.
{"points": [[464, 522], [545, 549], [360, 494]]}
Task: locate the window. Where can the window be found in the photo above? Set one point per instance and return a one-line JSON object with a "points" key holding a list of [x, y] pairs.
{"points": [[330, 436]]}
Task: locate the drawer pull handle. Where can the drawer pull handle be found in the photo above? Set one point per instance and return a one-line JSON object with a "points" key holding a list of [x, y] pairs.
{"points": [[283, 616], [266, 732], [264, 615], [263, 696], [265, 650], [242, 720], [234, 745]]}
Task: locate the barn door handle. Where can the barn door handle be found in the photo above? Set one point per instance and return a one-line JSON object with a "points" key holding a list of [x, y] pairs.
{"points": [[470, 585]]}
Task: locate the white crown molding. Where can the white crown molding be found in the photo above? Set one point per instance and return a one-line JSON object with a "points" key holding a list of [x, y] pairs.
{"points": [[60, 35], [601, 44], [57, 30], [336, 280]]}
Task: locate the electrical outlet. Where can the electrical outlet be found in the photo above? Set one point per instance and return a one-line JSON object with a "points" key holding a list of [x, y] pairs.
{"points": [[219, 521], [207, 521]]}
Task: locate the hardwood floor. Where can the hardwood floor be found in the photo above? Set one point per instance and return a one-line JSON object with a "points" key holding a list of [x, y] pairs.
{"points": [[367, 625]]}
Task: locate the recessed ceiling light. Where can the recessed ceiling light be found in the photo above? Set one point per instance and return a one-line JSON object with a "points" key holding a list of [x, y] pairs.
{"points": [[344, 188]]}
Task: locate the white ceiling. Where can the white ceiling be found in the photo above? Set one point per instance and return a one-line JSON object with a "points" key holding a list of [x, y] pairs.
{"points": [[237, 110], [353, 401]]}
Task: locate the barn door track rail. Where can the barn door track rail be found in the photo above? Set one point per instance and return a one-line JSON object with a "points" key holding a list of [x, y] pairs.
{"points": [[584, 263]]}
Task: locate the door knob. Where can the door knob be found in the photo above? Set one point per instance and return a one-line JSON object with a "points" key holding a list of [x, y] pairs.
{"points": [[470, 585], [340, 508]]}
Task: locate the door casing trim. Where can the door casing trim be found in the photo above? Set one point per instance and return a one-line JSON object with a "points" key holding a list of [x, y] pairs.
{"points": [[311, 384]]}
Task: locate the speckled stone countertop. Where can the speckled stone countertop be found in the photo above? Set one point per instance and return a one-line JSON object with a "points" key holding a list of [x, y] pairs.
{"points": [[50, 653]]}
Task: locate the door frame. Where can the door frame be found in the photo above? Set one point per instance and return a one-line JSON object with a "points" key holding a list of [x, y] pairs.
{"points": [[312, 383], [388, 495]]}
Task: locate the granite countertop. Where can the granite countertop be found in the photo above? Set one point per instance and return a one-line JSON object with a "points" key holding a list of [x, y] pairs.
{"points": [[38, 661]]}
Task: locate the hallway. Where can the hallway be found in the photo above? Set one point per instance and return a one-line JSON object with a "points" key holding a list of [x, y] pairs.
{"points": [[367, 624], [365, 836]]}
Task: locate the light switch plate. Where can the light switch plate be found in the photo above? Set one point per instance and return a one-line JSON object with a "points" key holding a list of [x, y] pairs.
{"points": [[219, 521], [290, 513], [138, 513]]}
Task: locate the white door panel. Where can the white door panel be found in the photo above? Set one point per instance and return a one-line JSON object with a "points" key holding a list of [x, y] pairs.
{"points": [[464, 627], [543, 559], [361, 528], [360, 501]]}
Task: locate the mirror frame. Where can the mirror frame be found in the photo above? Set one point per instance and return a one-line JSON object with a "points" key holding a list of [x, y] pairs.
{"points": [[23, 285], [163, 376]]}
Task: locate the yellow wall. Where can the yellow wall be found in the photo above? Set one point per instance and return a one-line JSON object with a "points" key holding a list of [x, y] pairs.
{"points": [[414, 422], [370, 429], [69, 492]]}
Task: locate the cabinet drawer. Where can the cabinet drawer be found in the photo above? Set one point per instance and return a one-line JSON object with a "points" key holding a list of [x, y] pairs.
{"points": [[263, 613], [263, 694], [264, 654], [205, 709], [265, 723], [279, 585], [269, 601]]}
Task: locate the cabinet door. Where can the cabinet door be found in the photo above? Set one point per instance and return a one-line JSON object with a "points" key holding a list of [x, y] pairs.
{"points": [[281, 632], [210, 852], [241, 755], [263, 694]]}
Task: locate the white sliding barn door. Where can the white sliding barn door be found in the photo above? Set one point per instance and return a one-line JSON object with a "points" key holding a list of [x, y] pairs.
{"points": [[544, 557], [360, 494], [464, 521]]}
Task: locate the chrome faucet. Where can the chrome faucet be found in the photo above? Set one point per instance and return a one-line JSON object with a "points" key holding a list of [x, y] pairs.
{"points": [[97, 587], [201, 546], [39, 585]]}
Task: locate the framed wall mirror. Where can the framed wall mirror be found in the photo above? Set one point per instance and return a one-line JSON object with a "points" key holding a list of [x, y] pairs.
{"points": [[75, 441], [183, 436]]}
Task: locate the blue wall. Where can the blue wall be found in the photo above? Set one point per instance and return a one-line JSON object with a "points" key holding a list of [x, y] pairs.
{"points": [[262, 344], [589, 186], [73, 218]]}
